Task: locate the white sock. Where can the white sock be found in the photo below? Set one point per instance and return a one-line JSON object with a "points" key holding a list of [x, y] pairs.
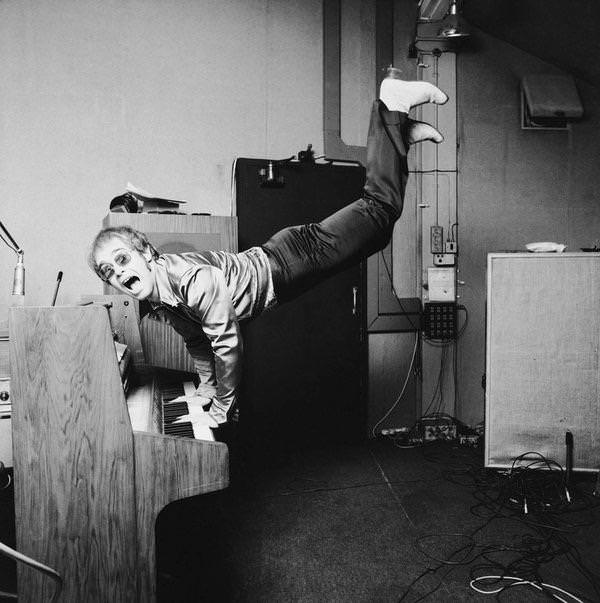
{"points": [[419, 131], [399, 95]]}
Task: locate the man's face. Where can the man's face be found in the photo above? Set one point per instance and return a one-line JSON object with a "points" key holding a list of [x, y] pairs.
{"points": [[127, 270]]}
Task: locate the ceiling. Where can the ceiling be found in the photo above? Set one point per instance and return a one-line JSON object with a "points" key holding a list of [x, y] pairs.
{"points": [[561, 32]]}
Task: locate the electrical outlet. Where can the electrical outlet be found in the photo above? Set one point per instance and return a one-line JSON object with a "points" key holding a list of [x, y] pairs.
{"points": [[444, 259]]}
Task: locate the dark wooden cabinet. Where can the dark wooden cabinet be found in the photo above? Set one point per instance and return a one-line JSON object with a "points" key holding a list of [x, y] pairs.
{"points": [[305, 362]]}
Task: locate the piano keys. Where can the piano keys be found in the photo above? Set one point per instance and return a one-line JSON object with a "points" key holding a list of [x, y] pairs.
{"points": [[152, 409], [171, 411]]}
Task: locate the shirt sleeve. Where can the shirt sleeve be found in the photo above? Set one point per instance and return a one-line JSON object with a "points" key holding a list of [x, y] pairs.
{"points": [[204, 363], [206, 294]]}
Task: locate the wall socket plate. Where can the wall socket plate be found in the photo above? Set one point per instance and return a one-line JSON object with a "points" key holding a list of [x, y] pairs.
{"points": [[450, 247], [441, 284], [444, 259]]}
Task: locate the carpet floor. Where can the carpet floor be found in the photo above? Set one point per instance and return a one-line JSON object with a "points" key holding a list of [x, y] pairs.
{"points": [[373, 522], [376, 522]]}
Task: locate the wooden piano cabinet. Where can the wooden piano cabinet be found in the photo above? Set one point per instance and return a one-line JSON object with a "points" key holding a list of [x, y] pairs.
{"points": [[73, 452], [87, 488], [168, 469]]}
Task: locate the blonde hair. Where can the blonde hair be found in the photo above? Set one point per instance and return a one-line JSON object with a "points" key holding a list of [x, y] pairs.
{"points": [[133, 238]]}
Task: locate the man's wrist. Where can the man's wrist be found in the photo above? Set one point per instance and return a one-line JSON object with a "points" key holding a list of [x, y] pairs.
{"points": [[219, 415]]}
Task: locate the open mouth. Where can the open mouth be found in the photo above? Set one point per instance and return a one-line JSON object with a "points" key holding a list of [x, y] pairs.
{"points": [[130, 282]]}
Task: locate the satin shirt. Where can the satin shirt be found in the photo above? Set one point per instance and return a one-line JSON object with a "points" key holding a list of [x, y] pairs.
{"points": [[204, 296]]}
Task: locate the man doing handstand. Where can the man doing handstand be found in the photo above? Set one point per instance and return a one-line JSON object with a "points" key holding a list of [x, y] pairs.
{"points": [[205, 295]]}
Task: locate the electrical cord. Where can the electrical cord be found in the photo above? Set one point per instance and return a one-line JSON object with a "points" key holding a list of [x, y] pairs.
{"points": [[8, 244], [438, 391], [442, 343], [4, 235], [521, 560], [48, 571], [431, 171], [399, 397], [521, 582], [455, 374], [518, 498], [327, 488], [6, 595], [388, 271]]}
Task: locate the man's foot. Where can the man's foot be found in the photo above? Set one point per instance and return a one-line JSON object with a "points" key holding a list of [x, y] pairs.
{"points": [[399, 95], [418, 131]]}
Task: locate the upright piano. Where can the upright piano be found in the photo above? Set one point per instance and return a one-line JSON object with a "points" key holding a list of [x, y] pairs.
{"points": [[88, 487], [92, 466], [93, 472]]}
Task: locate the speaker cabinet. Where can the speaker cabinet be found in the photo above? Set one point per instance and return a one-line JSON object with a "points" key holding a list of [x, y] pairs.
{"points": [[304, 363], [542, 365]]}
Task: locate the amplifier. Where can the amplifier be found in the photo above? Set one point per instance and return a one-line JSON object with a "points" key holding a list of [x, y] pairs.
{"points": [[543, 357]]}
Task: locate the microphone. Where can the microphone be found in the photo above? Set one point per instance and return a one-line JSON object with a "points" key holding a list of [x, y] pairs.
{"points": [[58, 280], [568, 463], [19, 275]]}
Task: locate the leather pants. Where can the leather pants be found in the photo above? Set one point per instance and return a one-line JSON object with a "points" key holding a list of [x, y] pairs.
{"points": [[302, 256]]}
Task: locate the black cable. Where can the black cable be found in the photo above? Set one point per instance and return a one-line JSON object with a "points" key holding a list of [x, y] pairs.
{"points": [[437, 383], [7, 243], [455, 374], [15, 245], [395, 294], [553, 529], [439, 389], [524, 554], [431, 171], [327, 488]]}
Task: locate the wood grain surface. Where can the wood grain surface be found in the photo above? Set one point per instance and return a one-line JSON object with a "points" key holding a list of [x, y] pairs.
{"points": [[73, 456], [88, 489], [124, 315], [169, 469]]}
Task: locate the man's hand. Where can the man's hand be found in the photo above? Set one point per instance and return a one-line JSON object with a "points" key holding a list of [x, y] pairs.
{"points": [[198, 417], [194, 402], [204, 390], [201, 398]]}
